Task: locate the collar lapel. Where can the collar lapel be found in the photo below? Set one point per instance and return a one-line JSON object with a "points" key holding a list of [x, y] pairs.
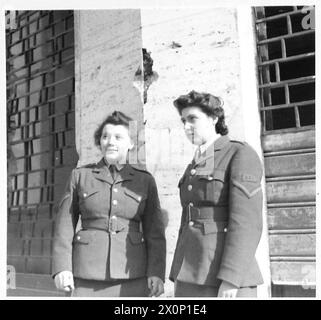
{"points": [[126, 173], [221, 142], [206, 160], [207, 154]]}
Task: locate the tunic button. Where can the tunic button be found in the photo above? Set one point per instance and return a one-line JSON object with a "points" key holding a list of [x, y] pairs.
{"points": [[191, 223], [225, 229], [115, 202], [78, 237], [191, 204], [190, 187], [139, 198], [143, 240], [193, 171], [85, 195], [115, 190]]}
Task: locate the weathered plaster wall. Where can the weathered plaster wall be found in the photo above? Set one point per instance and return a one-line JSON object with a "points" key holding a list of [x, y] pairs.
{"points": [[107, 54]]}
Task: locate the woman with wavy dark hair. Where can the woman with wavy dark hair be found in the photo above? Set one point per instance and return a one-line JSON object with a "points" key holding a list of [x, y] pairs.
{"points": [[221, 198]]}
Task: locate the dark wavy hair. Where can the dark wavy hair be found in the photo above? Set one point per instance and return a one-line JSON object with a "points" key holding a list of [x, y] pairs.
{"points": [[209, 104], [116, 118]]}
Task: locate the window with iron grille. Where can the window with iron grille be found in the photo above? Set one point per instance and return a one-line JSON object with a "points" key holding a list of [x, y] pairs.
{"points": [[286, 79], [41, 130], [286, 65]]}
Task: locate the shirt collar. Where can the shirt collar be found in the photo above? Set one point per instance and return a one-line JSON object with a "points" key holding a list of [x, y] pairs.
{"points": [[205, 146], [118, 166], [217, 144]]}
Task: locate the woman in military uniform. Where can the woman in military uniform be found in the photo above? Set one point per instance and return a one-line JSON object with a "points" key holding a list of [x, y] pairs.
{"points": [[221, 198], [120, 249]]}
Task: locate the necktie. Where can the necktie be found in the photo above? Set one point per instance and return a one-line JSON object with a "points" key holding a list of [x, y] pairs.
{"points": [[112, 170]]}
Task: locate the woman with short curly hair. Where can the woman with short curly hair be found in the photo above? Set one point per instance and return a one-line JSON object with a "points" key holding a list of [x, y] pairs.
{"points": [[120, 249]]}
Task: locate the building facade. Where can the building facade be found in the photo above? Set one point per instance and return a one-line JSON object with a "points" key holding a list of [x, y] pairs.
{"points": [[66, 70]]}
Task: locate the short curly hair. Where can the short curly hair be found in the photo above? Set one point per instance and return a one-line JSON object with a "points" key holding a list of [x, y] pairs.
{"points": [[116, 118], [209, 104]]}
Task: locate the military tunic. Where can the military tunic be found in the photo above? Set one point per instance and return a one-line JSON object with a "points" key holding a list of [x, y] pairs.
{"points": [[221, 221], [122, 229]]}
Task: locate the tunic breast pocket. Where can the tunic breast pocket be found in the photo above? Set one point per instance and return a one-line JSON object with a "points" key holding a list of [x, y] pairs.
{"points": [[214, 187], [134, 203], [90, 201]]}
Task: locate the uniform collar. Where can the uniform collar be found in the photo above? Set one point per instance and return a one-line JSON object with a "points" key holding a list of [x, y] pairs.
{"points": [[206, 145], [216, 145], [118, 166], [221, 142], [206, 154], [101, 172]]}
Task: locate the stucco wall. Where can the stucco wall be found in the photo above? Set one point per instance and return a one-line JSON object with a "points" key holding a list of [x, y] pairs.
{"points": [[107, 54]]}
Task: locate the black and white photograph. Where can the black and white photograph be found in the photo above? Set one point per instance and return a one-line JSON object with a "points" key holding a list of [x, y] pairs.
{"points": [[160, 151]]}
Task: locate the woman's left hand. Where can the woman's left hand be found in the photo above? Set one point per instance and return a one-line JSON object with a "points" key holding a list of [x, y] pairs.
{"points": [[227, 290], [156, 286]]}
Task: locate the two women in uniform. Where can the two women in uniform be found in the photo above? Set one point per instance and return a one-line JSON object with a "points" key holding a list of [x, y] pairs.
{"points": [[120, 248]]}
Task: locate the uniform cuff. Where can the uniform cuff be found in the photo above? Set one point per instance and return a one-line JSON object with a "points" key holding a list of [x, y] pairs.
{"points": [[230, 276]]}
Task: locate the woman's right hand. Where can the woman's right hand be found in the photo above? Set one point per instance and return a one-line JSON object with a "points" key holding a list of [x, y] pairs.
{"points": [[64, 280]]}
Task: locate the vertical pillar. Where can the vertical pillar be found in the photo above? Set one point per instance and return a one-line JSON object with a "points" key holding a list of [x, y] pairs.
{"points": [[252, 125], [108, 52]]}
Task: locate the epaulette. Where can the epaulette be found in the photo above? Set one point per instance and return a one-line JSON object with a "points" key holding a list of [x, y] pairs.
{"points": [[140, 168], [240, 142]]}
